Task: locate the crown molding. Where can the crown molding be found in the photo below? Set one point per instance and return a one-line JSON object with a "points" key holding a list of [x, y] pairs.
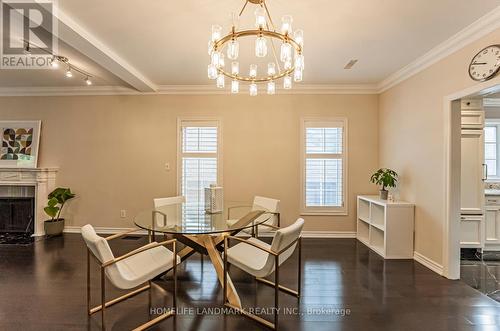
{"points": [[471, 33], [178, 90]]}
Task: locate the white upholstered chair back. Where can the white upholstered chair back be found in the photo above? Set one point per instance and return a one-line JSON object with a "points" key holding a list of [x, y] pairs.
{"points": [[282, 238], [100, 248], [161, 202], [271, 205]]}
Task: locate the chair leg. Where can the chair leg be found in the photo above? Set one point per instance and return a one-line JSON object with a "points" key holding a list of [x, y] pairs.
{"points": [[175, 276], [88, 282], [276, 291], [103, 298], [224, 290], [299, 268]]}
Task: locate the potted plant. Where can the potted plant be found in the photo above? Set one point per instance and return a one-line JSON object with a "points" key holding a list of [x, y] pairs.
{"points": [[385, 178], [57, 200]]}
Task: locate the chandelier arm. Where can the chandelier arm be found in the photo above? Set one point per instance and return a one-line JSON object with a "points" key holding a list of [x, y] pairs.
{"points": [[263, 4], [242, 9], [274, 52]]}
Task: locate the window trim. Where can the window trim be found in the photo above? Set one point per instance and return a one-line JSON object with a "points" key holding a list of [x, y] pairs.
{"points": [[198, 121], [325, 121], [493, 122]]}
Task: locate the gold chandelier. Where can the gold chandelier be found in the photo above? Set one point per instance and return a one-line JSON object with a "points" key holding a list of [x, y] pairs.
{"points": [[289, 64]]}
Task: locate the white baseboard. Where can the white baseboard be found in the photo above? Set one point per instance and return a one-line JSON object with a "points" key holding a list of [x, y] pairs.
{"points": [[305, 234], [328, 234], [102, 230], [429, 263]]}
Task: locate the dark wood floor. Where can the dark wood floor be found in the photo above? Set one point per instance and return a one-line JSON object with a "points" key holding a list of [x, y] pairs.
{"points": [[345, 287]]}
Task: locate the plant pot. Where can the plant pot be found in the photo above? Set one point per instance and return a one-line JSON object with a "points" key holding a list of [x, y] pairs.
{"points": [[384, 194], [54, 228]]}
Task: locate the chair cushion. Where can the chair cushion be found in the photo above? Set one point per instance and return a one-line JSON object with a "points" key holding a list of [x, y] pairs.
{"points": [[249, 258], [142, 267]]}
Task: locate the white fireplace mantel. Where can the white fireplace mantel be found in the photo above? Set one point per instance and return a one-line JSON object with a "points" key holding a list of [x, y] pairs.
{"points": [[44, 180]]}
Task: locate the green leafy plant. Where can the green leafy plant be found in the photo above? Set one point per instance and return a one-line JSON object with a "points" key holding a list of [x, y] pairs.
{"points": [[385, 178], [57, 200]]}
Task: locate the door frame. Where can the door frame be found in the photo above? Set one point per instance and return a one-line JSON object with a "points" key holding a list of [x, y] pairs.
{"points": [[451, 228]]}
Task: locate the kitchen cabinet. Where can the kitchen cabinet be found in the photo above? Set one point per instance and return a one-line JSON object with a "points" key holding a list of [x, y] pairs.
{"points": [[473, 175]]}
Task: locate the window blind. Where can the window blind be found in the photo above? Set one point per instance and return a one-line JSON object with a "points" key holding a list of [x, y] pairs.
{"points": [[323, 186], [199, 155]]}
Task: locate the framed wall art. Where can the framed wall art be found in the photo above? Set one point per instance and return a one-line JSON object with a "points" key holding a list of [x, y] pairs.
{"points": [[19, 144]]}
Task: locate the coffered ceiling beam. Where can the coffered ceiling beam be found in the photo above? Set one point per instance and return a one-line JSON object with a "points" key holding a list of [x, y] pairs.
{"points": [[83, 41]]}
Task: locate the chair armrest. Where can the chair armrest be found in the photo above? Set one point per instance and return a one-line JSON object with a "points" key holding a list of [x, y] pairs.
{"points": [[140, 250], [235, 207], [227, 238], [274, 227], [121, 234]]}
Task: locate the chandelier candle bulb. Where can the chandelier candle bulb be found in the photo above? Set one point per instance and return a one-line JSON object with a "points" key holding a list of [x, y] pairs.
{"points": [[299, 62], [215, 58], [216, 32], [271, 88], [235, 68], [88, 81], [271, 69], [210, 47], [69, 74], [286, 24], [233, 49], [260, 18], [297, 75], [221, 60], [260, 47], [253, 71], [220, 81], [235, 86], [212, 71], [298, 36], [253, 89], [288, 64], [286, 52], [287, 82]]}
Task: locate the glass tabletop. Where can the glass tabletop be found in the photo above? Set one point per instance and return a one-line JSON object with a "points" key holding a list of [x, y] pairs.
{"points": [[191, 218]]}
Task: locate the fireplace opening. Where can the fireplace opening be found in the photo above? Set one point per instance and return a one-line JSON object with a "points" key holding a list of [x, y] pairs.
{"points": [[17, 209]]}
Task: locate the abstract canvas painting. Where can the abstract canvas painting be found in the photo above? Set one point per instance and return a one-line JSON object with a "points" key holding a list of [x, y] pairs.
{"points": [[19, 144]]}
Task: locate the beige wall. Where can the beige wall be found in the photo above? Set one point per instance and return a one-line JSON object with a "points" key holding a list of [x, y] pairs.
{"points": [[412, 139], [111, 150]]}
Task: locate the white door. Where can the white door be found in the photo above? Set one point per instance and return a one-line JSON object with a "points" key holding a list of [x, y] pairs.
{"points": [[472, 172]]}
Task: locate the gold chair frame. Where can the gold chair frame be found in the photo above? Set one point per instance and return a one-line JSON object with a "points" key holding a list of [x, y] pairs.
{"points": [[275, 284], [102, 307]]}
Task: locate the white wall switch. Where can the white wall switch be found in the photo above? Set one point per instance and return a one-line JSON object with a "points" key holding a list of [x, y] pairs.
{"points": [[123, 213]]}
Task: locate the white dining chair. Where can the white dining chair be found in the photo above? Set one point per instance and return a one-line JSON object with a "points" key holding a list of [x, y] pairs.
{"points": [[260, 260], [259, 203], [129, 270]]}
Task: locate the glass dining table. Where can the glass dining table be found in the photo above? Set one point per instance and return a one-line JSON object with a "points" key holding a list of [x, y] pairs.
{"points": [[201, 231]]}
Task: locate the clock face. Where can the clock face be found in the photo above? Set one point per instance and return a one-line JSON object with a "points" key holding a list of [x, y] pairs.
{"points": [[486, 64]]}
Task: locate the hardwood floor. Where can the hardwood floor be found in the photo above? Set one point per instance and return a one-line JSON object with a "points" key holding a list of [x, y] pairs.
{"points": [[345, 287]]}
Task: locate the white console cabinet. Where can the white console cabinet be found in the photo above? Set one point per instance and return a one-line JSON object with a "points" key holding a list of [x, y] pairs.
{"points": [[386, 227]]}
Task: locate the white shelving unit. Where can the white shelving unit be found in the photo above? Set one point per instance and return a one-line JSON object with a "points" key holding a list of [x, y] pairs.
{"points": [[386, 227]]}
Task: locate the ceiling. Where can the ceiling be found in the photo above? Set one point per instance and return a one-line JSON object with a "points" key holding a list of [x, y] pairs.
{"points": [[165, 42]]}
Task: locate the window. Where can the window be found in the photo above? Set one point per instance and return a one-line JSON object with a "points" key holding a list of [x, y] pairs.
{"points": [[491, 131], [198, 161], [324, 166]]}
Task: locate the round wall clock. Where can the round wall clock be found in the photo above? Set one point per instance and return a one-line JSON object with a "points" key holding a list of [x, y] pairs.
{"points": [[486, 64]]}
